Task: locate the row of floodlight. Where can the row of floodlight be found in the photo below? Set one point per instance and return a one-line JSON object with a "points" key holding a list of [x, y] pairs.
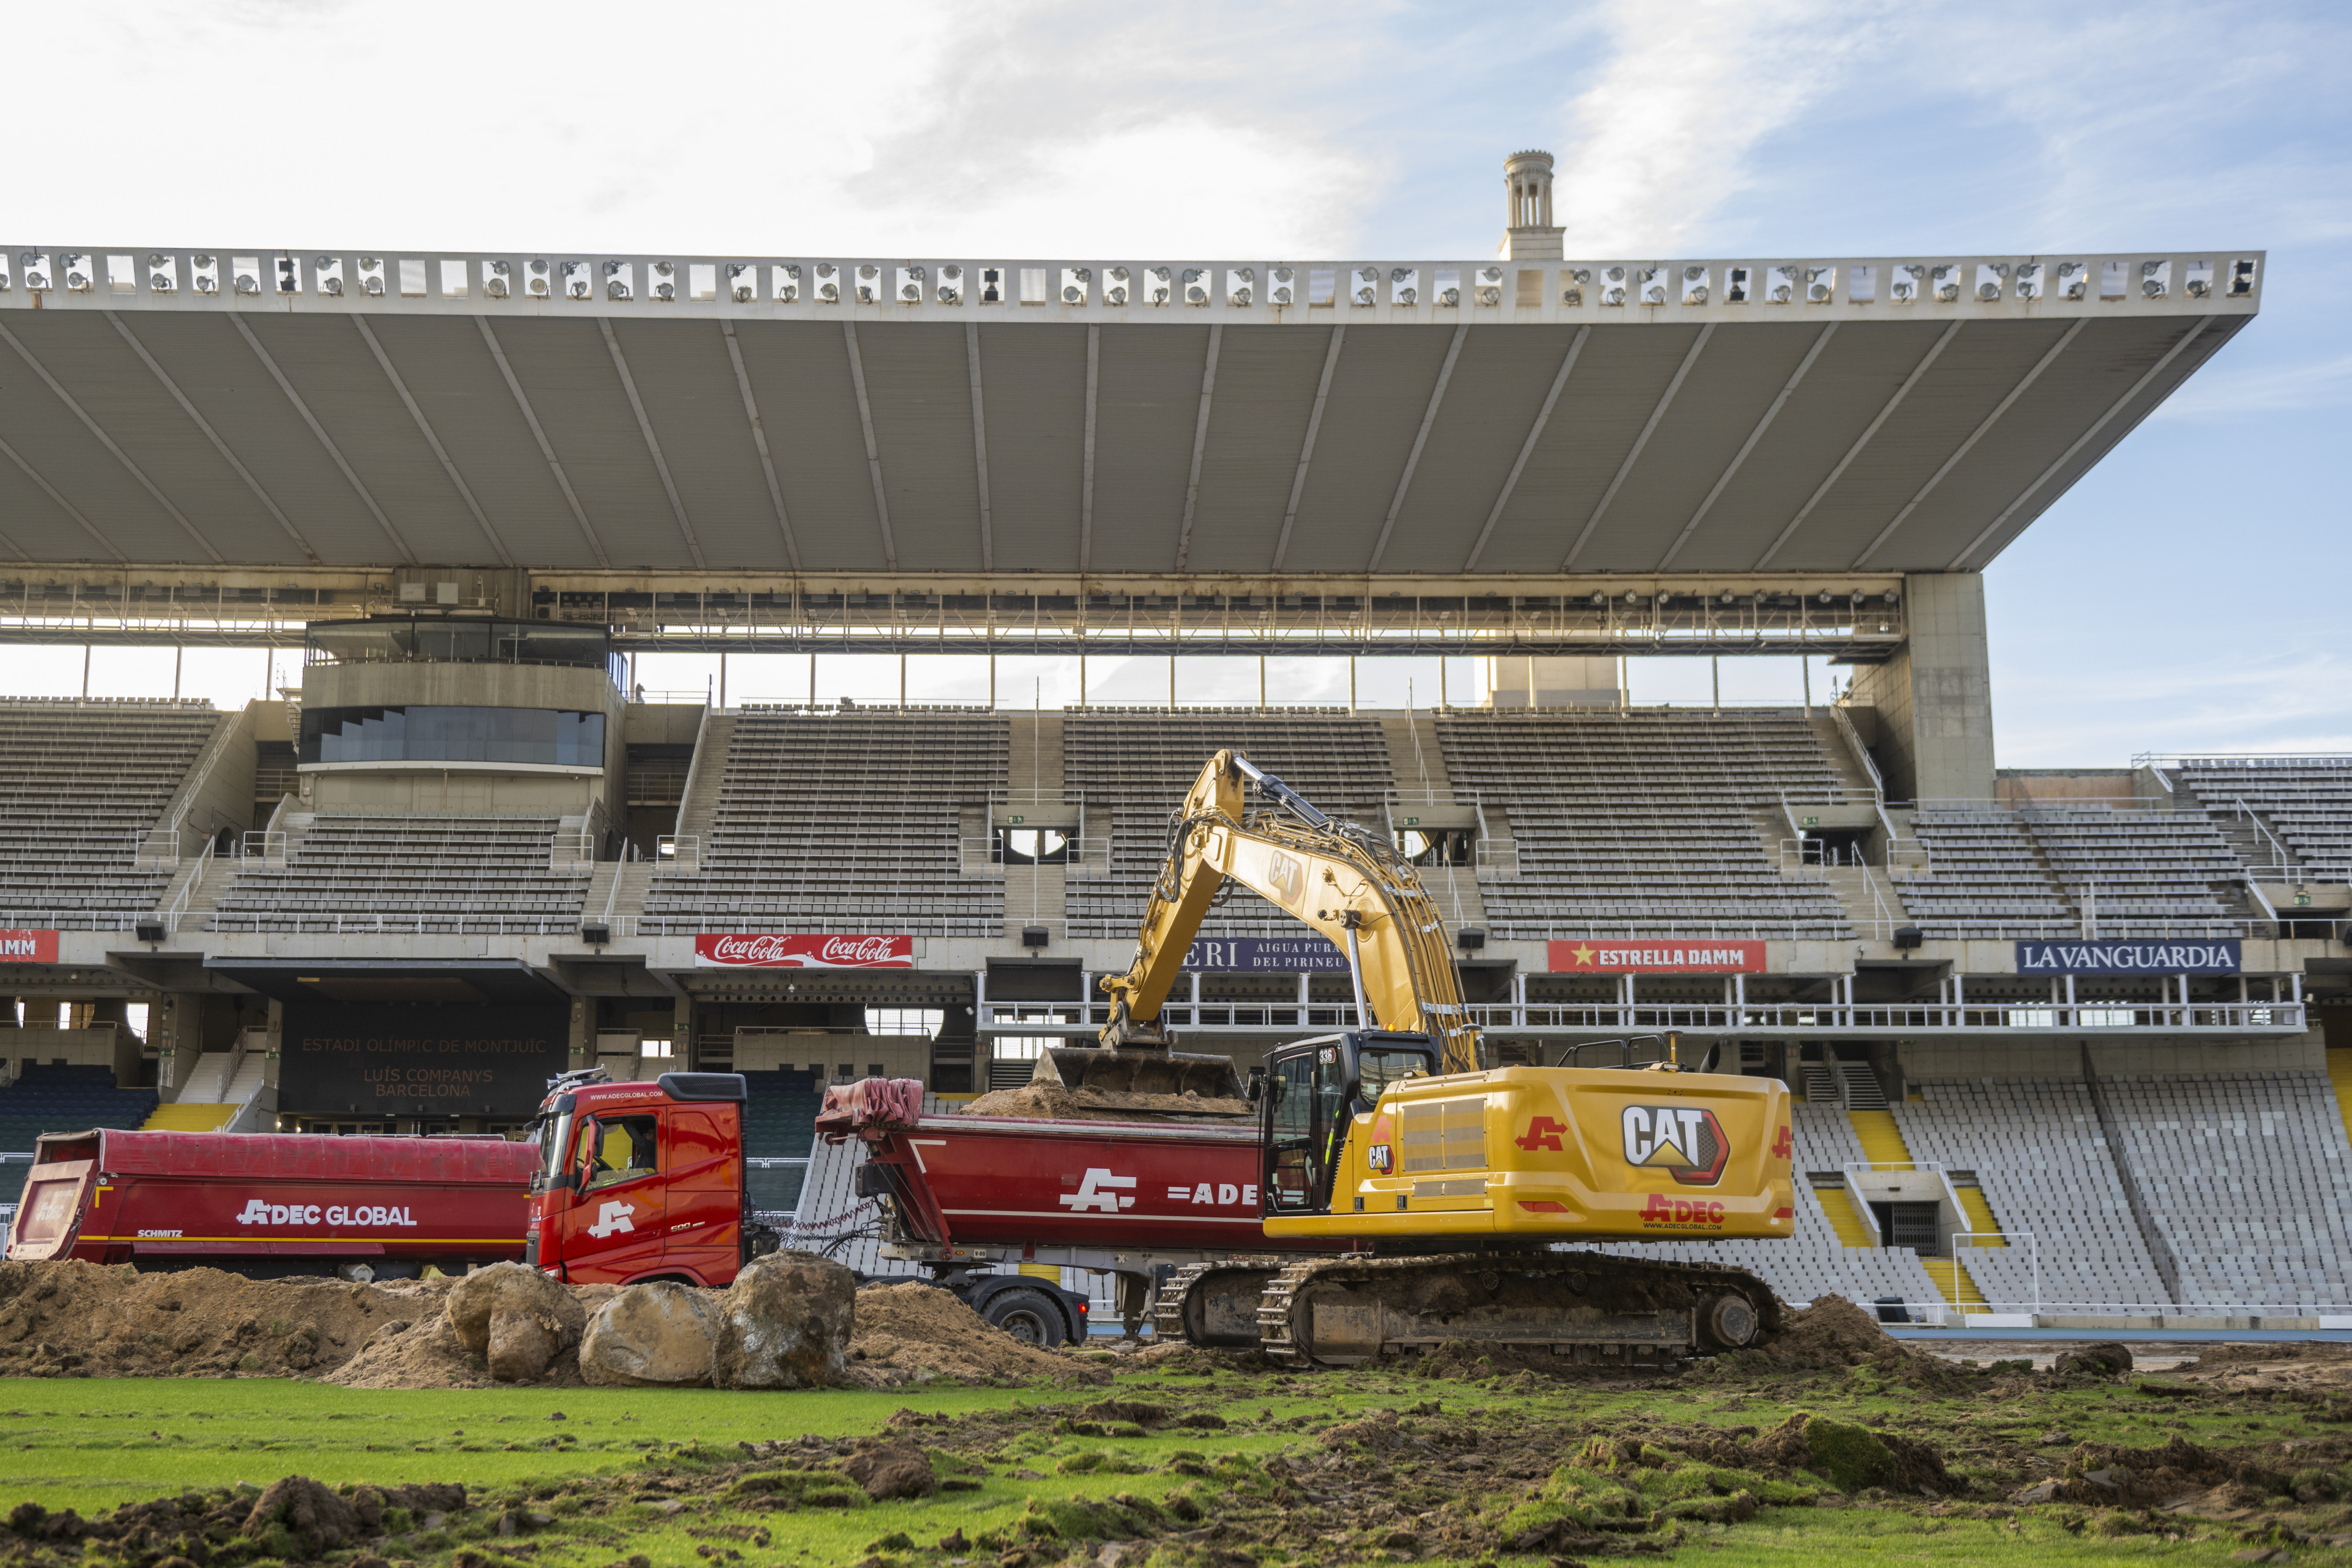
{"points": [[727, 601], [869, 283]]}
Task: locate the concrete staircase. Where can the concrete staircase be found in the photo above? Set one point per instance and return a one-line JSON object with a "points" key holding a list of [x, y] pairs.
{"points": [[701, 804], [1417, 764], [1853, 887]]}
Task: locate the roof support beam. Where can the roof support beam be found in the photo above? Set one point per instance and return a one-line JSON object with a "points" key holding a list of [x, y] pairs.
{"points": [[873, 451], [1527, 447], [269, 364], [759, 440], [538, 433], [2138, 387], [1666, 402], [269, 502], [980, 446], [1935, 352], [424, 429], [1200, 444], [653, 443], [1420, 440], [107, 441], [63, 505], [1306, 447], [1755, 435], [1086, 473], [2044, 362]]}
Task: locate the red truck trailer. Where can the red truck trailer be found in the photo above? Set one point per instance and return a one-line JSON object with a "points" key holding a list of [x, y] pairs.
{"points": [[272, 1204]]}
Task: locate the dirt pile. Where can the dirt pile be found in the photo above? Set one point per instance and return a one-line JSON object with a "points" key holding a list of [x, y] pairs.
{"points": [[85, 1320], [1832, 1332], [1091, 1104], [914, 1332]]}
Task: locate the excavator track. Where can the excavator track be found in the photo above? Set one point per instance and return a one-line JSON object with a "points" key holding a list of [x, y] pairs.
{"points": [[1342, 1312], [1214, 1305]]}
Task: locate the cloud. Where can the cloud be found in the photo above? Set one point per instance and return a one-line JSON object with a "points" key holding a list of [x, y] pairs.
{"points": [[2263, 389]]}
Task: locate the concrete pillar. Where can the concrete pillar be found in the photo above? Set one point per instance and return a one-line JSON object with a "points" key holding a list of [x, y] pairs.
{"points": [[1565, 680], [681, 1034], [582, 1051], [1934, 697]]}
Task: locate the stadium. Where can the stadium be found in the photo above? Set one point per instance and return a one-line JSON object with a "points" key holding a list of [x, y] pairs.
{"points": [[2060, 1039]]}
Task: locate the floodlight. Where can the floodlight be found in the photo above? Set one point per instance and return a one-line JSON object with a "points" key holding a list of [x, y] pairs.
{"points": [[1946, 283], [77, 268], [289, 276], [1363, 285], [1076, 282], [1903, 282], [535, 278], [1449, 287], [244, 273], [1282, 287], [1612, 286], [163, 273], [2241, 278], [2155, 279], [35, 266], [661, 277], [785, 284], [1490, 286], [869, 283], [2074, 279], [1991, 277], [828, 283], [1694, 285], [620, 280], [327, 273], [950, 288], [5, 279], [1115, 282], [1734, 286], [495, 277], [577, 284], [1404, 286], [1821, 284], [992, 285], [1780, 284], [371, 273], [1598, 600], [1241, 286], [910, 284], [2200, 279], [1632, 597], [2029, 280], [742, 282], [1196, 286], [1653, 286], [1575, 278], [1157, 287]]}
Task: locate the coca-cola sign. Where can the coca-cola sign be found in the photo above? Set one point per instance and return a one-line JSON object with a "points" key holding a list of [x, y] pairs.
{"points": [[767, 950]]}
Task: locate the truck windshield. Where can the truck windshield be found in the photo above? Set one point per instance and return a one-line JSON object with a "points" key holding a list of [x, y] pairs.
{"points": [[555, 1137]]}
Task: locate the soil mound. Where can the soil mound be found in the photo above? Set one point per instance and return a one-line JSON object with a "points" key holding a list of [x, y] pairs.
{"points": [[83, 1320], [1062, 1103], [1831, 1334], [913, 1332]]}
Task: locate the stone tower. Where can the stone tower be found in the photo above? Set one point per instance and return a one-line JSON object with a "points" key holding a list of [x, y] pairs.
{"points": [[1528, 233]]}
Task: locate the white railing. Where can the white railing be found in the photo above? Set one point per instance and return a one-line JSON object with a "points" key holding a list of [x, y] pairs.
{"points": [[453, 921], [569, 853], [267, 845], [682, 852], [2280, 860], [157, 846], [187, 889]]}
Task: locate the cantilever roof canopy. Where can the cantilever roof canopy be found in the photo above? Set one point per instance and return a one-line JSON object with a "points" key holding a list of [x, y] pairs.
{"points": [[648, 414]]}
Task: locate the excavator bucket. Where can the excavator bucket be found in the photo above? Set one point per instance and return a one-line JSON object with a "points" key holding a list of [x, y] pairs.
{"points": [[1132, 1072]]}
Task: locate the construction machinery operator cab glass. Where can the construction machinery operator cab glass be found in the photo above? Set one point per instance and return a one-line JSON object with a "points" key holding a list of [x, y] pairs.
{"points": [[1312, 1092]]}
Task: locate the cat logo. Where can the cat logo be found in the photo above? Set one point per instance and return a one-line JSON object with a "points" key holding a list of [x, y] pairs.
{"points": [[1289, 877], [1685, 1141]]}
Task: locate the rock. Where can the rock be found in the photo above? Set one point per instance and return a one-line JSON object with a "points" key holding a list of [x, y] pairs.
{"points": [[2105, 1358], [661, 1334], [891, 1469], [2040, 1491], [516, 1318], [786, 1324]]}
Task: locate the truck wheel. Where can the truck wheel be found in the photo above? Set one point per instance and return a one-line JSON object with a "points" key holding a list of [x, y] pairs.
{"points": [[1029, 1316]]}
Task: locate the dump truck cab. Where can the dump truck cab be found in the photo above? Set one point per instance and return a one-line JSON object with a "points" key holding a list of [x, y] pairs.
{"points": [[643, 1181]]}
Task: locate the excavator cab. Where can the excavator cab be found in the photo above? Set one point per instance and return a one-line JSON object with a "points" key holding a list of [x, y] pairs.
{"points": [[1313, 1094]]}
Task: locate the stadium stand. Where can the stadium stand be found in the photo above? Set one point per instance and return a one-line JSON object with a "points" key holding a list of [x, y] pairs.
{"points": [[411, 874], [46, 1098], [2305, 803], [2140, 870], [842, 821], [80, 784], [2039, 1158], [779, 1122], [2245, 1174], [1644, 822], [1984, 878], [1131, 768]]}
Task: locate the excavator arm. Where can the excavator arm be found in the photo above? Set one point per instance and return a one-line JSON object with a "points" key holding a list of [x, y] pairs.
{"points": [[1342, 880]]}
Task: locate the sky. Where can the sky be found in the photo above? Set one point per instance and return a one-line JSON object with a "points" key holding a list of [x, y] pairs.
{"points": [[2189, 595]]}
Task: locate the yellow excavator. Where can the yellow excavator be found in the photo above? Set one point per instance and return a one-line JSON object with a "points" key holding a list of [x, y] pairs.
{"points": [[1450, 1184]]}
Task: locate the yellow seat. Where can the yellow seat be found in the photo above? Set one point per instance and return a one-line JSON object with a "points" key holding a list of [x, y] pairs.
{"points": [[188, 1116]]}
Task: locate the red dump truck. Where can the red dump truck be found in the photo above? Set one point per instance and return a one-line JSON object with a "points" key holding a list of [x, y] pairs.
{"points": [[274, 1204]]}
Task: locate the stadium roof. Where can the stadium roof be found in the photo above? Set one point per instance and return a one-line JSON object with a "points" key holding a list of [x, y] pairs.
{"points": [[614, 414]]}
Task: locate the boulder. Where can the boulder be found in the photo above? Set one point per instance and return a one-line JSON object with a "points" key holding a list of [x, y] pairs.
{"points": [[891, 1469], [660, 1336], [2104, 1358], [516, 1318], [787, 1321]]}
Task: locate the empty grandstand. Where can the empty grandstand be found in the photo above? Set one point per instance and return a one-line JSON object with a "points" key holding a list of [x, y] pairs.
{"points": [[2297, 810], [422, 875]]}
